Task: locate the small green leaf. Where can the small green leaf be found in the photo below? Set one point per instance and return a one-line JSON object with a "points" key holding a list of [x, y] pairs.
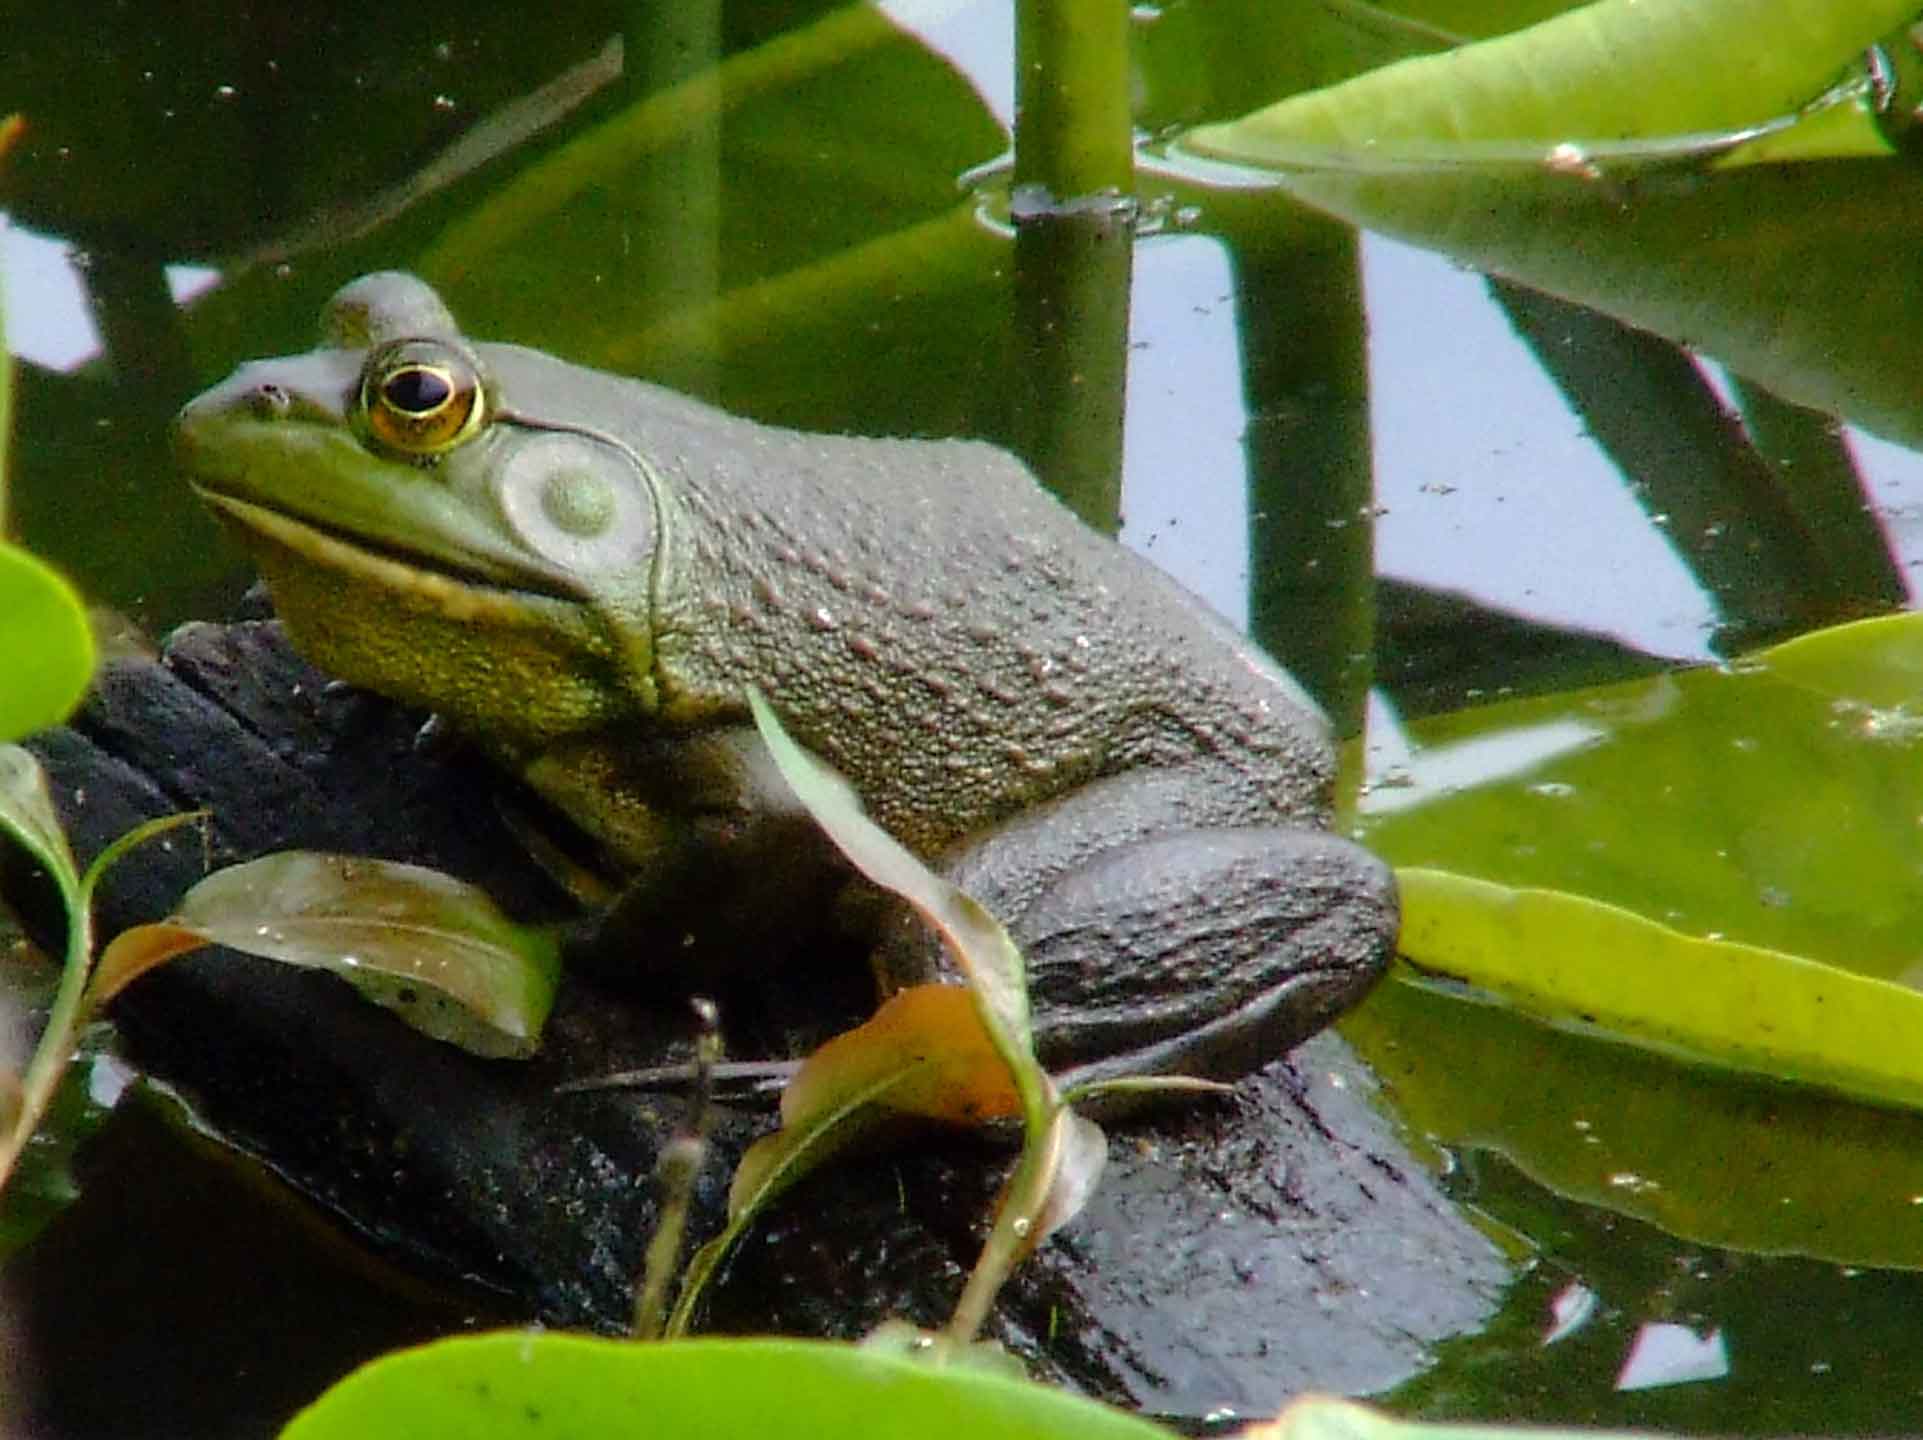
{"points": [[27, 814], [1567, 958], [541, 1385], [46, 646], [433, 949]]}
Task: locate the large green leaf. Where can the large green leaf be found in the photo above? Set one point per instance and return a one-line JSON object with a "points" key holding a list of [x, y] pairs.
{"points": [[46, 646], [533, 1385], [1561, 157]]}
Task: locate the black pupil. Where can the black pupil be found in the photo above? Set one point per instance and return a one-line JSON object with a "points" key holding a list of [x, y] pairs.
{"points": [[416, 391]]}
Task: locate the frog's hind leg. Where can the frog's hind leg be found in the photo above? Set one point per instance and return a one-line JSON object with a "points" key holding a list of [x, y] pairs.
{"points": [[1161, 940]]}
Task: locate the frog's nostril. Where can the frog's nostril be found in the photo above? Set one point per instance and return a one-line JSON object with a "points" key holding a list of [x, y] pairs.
{"points": [[269, 401]]}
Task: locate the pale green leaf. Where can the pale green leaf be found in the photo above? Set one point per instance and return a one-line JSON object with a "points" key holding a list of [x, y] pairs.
{"points": [[1567, 958], [1610, 71], [45, 645]]}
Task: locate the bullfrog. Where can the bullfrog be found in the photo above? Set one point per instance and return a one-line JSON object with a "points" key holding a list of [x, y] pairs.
{"points": [[585, 574]]}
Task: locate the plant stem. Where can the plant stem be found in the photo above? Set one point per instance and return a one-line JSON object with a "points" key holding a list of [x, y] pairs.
{"points": [[1074, 214]]}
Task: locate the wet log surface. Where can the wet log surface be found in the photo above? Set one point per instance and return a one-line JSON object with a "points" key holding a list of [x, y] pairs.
{"points": [[1235, 1252]]}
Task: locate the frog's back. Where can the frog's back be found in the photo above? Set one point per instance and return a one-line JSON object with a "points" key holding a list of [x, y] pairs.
{"points": [[950, 636]]}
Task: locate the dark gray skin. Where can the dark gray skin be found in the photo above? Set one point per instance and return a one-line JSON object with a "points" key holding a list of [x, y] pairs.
{"points": [[586, 573]]}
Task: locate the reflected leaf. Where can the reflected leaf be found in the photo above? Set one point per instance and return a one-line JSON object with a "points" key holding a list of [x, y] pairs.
{"points": [[1807, 305], [831, 133], [1705, 1154], [434, 950]]}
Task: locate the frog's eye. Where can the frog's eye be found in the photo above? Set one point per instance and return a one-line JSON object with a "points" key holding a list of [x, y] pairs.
{"points": [[421, 398]]}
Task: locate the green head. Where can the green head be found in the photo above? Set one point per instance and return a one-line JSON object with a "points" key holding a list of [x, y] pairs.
{"points": [[457, 525]]}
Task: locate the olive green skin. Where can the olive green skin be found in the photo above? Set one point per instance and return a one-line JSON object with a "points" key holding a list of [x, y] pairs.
{"points": [[590, 583]]}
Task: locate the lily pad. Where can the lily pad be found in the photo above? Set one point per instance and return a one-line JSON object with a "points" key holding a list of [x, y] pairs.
{"points": [[1774, 802]]}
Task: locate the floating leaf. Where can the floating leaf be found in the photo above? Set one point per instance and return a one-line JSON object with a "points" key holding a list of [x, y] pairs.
{"points": [[433, 949], [1874, 663], [1560, 157], [536, 1385], [1755, 820]]}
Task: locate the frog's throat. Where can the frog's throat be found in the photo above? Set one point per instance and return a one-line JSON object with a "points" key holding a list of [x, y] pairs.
{"points": [[455, 597]]}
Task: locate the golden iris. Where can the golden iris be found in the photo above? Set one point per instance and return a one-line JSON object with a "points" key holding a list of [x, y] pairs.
{"points": [[421, 398]]}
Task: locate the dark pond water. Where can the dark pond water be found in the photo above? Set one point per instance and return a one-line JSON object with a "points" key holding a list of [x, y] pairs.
{"points": [[1421, 492]]}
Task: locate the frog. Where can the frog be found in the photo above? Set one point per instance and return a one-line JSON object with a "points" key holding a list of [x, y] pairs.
{"points": [[585, 575]]}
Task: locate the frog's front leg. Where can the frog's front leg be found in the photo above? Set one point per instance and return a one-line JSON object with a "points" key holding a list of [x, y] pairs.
{"points": [[1162, 940]]}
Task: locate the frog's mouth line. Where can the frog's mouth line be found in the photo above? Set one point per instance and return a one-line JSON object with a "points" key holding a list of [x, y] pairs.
{"points": [[461, 595]]}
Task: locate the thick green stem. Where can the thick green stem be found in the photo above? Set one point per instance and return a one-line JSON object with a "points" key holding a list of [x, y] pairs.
{"points": [[1072, 124], [1074, 219]]}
